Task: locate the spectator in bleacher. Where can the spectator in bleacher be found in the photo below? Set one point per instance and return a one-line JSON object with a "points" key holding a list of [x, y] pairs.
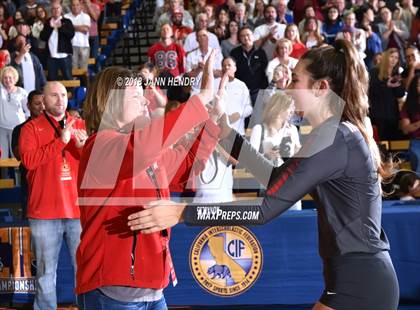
{"points": [[258, 15], [6, 59], [180, 31], [241, 16], [309, 12], [58, 32], [298, 48], [251, 62], [415, 29], [197, 7], [29, 10], [30, 70], [392, 32], [410, 121], [36, 107], [10, 7], [191, 42], [167, 55], [283, 50], [14, 110], [409, 187], [197, 58], [222, 17], [332, 25], [357, 35], [276, 137], [50, 147], [373, 46], [232, 40], [413, 65], [209, 10], [281, 78], [267, 34], [366, 16], [175, 5], [80, 41], [407, 12], [236, 100], [283, 16], [341, 7], [5, 22], [298, 8], [37, 26], [18, 18], [94, 11], [385, 88], [311, 36]]}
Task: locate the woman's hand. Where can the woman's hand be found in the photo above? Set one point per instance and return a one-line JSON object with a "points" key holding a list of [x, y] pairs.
{"points": [[157, 215]]}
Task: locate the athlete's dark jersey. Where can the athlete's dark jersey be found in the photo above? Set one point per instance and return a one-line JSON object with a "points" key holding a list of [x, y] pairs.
{"points": [[341, 176]]}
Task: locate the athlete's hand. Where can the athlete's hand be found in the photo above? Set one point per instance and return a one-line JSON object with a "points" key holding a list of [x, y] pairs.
{"points": [[157, 215]]}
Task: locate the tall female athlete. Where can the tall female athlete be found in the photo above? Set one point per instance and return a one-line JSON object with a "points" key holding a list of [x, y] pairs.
{"points": [[358, 271]]}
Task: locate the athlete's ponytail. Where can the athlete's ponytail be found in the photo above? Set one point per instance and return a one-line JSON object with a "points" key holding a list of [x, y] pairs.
{"points": [[342, 66]]}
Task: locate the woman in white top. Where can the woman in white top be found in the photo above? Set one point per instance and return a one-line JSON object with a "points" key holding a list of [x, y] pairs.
{"points": [[283, 49], [13, 108], [276, 137]]}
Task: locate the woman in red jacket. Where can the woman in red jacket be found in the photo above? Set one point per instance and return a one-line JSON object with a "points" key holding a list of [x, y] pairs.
{"points": [[127, 161]]}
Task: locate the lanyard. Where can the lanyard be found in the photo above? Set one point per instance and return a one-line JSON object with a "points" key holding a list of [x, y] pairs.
{"points": [[57, 132]]}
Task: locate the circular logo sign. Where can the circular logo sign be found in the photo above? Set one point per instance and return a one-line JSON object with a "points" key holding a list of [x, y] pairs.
{"points": [[226, 260]]}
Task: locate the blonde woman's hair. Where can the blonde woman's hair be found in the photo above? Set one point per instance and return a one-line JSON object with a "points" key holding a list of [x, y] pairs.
{"points": [[284, 41], [14, 72], [278, 103], [384, 63]]}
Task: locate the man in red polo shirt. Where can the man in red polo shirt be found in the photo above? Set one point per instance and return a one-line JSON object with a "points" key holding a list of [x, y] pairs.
{"points": [[50, 147]]}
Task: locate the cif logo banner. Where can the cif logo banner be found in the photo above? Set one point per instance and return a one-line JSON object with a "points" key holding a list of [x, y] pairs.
{"points": [[16, 276], [226, 260]]}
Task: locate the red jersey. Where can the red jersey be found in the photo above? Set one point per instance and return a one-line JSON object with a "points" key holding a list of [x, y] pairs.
{"points": [[168, 58], [52, 169], [109, 252]]}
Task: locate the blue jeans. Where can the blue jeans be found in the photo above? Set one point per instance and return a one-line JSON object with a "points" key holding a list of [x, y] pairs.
{"points": [[415, 155], [47, 237], [97, 300], [63, 64]]}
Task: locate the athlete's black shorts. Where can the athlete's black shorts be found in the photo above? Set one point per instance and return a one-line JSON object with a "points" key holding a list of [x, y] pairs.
{"points": [[360, 281]]}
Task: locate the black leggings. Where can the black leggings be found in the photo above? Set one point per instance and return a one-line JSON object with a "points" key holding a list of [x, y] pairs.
{"points": [[360, 281]]}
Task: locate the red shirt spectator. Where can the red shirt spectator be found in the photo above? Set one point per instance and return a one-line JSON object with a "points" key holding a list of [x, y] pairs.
{"points": [[167, 55]]}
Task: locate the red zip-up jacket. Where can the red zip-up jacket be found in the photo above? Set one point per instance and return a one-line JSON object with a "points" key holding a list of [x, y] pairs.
{"points": [[41, 151], [109, 252]]}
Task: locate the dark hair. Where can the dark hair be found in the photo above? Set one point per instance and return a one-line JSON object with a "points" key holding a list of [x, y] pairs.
{"points": [[228, 34], [328, 21], [34, 93], [229, 57], [412, 102], [5, 14], [407, 181], [269, 6], [348, 78], [361, 11], [244, 28]]}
